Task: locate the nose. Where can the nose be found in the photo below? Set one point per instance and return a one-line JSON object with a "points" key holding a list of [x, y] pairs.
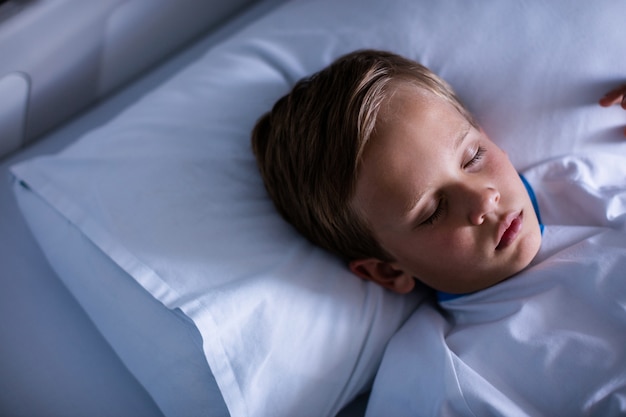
{"points": [[482, 202]]}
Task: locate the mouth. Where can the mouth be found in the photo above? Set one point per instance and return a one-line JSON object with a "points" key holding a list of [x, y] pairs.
{"points": [[509, 229]]}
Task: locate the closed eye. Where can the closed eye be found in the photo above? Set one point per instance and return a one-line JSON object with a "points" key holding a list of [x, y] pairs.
{"points": [[435, 216], [478, 155]]}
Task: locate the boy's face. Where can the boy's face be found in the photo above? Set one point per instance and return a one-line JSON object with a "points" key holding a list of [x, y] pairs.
{"points": [[442, 199]]}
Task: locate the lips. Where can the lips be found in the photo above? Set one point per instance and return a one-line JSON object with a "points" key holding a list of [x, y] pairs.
{"points": [[509, 229]]}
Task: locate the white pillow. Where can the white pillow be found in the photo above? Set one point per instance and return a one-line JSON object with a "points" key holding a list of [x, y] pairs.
{"points": [[170, 191]]}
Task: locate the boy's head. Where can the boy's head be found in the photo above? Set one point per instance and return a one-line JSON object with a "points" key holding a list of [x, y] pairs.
{"points": [[375, 159]]}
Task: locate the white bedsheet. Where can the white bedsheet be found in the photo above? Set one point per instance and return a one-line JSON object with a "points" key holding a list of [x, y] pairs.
{"points": [[550, 341]]}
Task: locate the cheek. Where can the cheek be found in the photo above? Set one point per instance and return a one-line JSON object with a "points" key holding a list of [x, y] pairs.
{"points": [[449, 239], [437, 247], [458, 243], [442, 261]]}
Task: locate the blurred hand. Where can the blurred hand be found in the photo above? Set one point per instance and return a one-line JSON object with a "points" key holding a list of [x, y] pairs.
{"points": [[615, 96]]}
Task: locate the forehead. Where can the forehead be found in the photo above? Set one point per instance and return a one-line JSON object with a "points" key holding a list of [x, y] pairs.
{"points": [[416, 133], [407, 102], [414, 122]]}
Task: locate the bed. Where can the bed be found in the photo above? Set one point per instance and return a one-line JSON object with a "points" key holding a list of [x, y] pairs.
{"points": [[192, 296]]}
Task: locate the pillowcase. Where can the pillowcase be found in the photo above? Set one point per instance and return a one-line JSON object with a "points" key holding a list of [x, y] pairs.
{"points": [[170, 191]]}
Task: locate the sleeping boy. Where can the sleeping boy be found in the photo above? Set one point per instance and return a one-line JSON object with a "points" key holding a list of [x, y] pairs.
{"points": [[375, 159]]}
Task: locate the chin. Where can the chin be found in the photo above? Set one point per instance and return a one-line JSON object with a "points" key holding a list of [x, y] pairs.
{"points": [[521, 256], [527, 250], [513, 267]]}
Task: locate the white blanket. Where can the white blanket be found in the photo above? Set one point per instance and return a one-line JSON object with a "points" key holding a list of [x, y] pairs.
{"points": [[550, 341]]}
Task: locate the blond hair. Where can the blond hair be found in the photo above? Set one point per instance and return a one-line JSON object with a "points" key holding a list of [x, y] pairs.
{"points": [[309, 146]]}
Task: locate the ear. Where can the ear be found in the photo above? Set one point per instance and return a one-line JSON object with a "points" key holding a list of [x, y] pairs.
{"points": [[383, 273]]}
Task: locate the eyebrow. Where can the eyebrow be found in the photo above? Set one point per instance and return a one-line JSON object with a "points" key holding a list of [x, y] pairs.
{"points": [[458, 141]]}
